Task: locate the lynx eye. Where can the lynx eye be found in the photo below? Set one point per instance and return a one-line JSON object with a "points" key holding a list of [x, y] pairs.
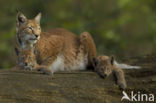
{"points": [[102, 68], [30, 27], [107, 68]]}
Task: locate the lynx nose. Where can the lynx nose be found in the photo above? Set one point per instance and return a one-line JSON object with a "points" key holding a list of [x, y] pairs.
{"points": [[26, 64], [36, 36], [104, 75]]}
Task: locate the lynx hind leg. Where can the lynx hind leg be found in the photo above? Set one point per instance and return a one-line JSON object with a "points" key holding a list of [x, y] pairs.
{"points": [[87, 42], [120, 78], [45, 69]]}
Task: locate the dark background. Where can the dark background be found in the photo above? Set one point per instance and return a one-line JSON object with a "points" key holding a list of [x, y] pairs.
{"points": [[123, 28]]}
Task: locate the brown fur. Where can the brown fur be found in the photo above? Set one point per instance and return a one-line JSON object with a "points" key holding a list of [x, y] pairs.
{"points": [[26, 59], [58, 43], [68, 44], [89, 46], [27, 31], [104, 66]]}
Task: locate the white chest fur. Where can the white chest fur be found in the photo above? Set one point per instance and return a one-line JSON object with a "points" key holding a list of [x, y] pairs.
{"points": [[78, 64], [58, 64]]}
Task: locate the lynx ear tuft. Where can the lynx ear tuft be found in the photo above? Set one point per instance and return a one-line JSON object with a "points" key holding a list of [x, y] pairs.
{"points": [[38, 18], [95, 62], [21, 19]]}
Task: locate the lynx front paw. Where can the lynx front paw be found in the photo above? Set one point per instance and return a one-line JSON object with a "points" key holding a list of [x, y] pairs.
{"points": [[45, 70], [122, 85], [28, 68]]}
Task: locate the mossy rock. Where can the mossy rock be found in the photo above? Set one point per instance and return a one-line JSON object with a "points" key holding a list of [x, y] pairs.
{"points": [[75, 86]]}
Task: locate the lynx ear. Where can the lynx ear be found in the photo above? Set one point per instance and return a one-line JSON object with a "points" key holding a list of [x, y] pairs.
{"points": [[112, 60], [21, 19], [95, 62], [38, 18]]}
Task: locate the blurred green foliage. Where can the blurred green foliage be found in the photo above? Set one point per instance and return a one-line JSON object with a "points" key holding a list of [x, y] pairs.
{"points": [[119, 27]]}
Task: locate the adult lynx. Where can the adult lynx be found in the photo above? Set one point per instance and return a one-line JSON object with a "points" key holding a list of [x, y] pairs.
{"points": [[57, 49]]}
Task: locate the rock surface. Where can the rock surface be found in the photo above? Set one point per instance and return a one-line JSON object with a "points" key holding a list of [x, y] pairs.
{"points": [[75, 86]]}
